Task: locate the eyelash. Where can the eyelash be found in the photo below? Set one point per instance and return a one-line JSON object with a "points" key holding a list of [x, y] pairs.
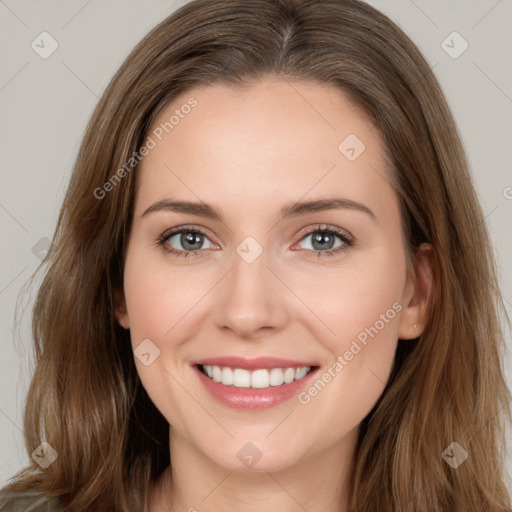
{"points": [[347, 240]]}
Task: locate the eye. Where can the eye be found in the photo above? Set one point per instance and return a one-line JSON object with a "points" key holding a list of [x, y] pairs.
{"points": [[190, 239], [323, 241]]}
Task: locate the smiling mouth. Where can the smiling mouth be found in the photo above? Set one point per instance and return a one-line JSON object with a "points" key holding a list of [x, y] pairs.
{"points": [[256, 379]]}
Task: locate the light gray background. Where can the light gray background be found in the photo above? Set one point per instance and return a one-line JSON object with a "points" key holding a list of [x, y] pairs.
{"points": [[45, 104]]}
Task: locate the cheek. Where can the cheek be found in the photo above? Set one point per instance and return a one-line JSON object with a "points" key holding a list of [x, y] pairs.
{"points": [[160, 307], [158, 297], [358, 306], [349, 300]]}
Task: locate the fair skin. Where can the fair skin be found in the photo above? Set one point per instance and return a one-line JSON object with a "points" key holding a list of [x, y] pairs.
{"points": [[249, 153]]}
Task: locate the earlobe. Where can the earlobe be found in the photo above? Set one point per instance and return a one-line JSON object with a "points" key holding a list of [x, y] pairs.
{"points": [[121, 312], [418, 294]]}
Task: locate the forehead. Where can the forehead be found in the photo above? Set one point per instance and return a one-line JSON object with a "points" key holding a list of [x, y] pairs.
{"points": [[275, 139]]}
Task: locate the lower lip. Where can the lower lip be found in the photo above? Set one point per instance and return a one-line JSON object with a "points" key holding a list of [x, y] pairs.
{"points": [[253, 398]]}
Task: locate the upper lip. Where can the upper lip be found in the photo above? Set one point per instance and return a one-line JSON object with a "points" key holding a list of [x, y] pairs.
{"points": [[252, 364]]}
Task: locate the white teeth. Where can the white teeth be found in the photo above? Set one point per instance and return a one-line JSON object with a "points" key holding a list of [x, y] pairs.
{"points": [[217, 374], [289, 375], [301, 372], [240, 378], [227, 376], [276, 377], [260, 379]]}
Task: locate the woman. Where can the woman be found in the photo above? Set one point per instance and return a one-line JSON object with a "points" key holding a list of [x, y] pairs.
{"points": [[333, 340]]}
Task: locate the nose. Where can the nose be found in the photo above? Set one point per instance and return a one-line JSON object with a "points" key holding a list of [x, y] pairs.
{"points": [[251, 299]]}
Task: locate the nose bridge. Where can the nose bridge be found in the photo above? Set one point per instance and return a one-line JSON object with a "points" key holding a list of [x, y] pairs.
{"points": [[250, 298]]}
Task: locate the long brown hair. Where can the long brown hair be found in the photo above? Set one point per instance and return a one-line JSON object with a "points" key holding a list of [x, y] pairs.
{"points": [[85, 398]]}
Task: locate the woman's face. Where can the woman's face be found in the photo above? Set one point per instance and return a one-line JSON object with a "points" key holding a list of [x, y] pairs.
{"points": [[261, 278]]}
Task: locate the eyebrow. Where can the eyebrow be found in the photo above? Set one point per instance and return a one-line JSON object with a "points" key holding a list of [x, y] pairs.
{"points": [[295, 209]]}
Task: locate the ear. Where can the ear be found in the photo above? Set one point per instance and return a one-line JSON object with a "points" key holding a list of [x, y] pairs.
{"points": [[121, 312], [418, 294]]}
